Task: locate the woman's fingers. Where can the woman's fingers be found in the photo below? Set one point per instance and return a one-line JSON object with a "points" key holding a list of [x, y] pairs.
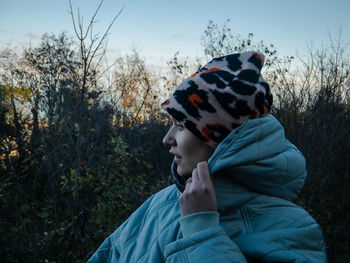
{"points": [[195, 176], [189, 182], [199, 194], [203, 172]]}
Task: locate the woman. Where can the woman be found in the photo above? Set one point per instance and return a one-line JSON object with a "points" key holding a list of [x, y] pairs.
{"points": [[235, 176]]}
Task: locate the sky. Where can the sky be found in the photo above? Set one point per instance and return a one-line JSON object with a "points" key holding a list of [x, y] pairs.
{"points": [[159, 28]]}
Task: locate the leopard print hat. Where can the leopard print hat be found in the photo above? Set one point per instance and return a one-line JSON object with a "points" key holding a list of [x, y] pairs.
{"points": [[221, 96]]}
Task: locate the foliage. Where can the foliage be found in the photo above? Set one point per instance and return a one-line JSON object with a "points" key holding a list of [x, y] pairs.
{"points": [[219, 42], [67, 176], [178, 70], [133, 90], [78, 154]]}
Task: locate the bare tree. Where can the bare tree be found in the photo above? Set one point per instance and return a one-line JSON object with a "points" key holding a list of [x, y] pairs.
{"points": [[92, 46]]}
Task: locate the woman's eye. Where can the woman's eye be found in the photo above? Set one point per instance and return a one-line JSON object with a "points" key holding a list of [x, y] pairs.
{"points": [[179, 125]]}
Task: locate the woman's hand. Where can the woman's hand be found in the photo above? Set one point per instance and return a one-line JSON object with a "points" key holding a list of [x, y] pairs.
{"points": [[199, 194]]}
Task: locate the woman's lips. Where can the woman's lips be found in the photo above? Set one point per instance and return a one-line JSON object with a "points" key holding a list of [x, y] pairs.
{"points": [[177, 159]]}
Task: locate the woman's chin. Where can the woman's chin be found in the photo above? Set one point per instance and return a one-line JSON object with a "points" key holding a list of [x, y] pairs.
{"points": [[182, 173], [179, 171]]}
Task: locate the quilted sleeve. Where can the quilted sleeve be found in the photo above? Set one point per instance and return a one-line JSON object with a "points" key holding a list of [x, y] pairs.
{"points": [[299, 244], [204, 241]]}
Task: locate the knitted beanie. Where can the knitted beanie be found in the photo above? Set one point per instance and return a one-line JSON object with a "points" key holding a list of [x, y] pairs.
{"points": [[220, 96]]}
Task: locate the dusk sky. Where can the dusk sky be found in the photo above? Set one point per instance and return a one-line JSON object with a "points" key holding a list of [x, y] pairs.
{"points": [[158, 29]]}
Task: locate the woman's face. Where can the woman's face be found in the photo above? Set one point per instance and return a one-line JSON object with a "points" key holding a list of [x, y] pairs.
{"points": [[188, 150]]}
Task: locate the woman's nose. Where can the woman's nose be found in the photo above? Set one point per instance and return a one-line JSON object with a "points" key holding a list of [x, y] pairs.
{"points": [[169, 139]]}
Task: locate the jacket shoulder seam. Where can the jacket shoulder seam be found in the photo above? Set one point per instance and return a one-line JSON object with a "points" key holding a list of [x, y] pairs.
{"points": [[147, 214]]}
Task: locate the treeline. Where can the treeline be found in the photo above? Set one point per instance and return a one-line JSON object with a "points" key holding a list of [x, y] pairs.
{"points": [[80, 143]]}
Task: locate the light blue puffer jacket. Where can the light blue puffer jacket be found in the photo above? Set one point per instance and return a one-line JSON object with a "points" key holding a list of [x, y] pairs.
{"points": [[256, 173]]}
